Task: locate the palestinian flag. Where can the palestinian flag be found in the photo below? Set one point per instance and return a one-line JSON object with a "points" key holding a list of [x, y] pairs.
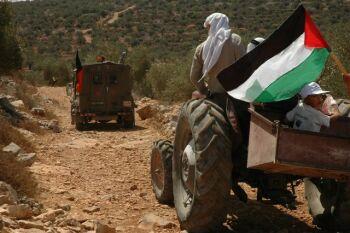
{"points": [[79, 73], [294, 55]]}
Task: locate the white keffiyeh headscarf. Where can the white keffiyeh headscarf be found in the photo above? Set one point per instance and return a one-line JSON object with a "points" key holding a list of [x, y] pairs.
{"points": [[219, 32]]}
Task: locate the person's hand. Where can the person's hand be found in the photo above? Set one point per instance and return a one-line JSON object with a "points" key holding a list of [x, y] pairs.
{"points": [[335, 114], [197, 95]]}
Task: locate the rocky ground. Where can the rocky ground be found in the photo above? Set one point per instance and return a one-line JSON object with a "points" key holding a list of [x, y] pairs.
{"points": [[98, 180]]}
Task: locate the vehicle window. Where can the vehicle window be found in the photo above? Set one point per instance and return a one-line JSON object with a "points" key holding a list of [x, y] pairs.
{"points": [[97, 79], [113, 79]]}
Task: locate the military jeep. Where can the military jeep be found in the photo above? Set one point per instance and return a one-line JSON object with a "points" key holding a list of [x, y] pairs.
{"points": [[103, 94]]}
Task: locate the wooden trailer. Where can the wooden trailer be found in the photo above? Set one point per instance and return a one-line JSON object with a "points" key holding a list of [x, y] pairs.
{"points": [[276, 148]]}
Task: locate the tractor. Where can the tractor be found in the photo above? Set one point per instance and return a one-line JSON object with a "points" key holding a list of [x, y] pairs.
{"points": [[221, 142]]}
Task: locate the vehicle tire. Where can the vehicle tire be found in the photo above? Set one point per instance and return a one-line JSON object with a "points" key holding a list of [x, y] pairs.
{"points": [[103, 121], [161, 171], [119, 120], [202, 166], [129, 122], [329, 203], [80, 126]]}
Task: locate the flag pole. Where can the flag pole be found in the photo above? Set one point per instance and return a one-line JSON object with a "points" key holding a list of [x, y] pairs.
{"points": [[339, 64], [341, 67]]}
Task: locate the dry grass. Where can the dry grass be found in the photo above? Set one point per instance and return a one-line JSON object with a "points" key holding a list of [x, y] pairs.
{"points": [[10, 171], [17, 175], [31, 126], [50, 115], [8, 134], [25, 93]]}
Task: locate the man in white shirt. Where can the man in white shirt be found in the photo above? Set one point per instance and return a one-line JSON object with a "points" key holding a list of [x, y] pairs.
{"points": [[308, 115]]}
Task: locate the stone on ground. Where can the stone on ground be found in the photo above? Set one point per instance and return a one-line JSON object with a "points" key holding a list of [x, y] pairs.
{"points": [[32, 230], [29, 224], [146, 112], [8, 222], [21, 211], [102, 228], [18, 104], [7, 194], [12, 148], [50, 215], [53, 125], [88, 225], [91, 209], [149, 220], [26, 160]]}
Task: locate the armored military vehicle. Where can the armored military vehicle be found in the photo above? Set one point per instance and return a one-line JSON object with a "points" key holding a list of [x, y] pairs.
{"points": [[101, 92]]}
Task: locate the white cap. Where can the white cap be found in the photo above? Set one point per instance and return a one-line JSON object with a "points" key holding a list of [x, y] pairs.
{"points": [[255, 42], [311, 89]]}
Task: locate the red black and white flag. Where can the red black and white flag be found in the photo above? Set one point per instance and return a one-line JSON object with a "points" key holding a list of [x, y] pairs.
{"points": [[79, 73]]}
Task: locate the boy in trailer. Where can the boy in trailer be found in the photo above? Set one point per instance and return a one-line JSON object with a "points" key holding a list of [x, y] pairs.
{"points": [[308, 115]]}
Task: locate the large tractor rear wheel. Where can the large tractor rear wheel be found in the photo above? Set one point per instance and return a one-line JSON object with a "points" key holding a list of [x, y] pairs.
{"points": [[329, 203], [161, 171], [202, 166]]}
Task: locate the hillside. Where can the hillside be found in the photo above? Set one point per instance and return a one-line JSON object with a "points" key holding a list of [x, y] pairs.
{"points": [[162, 29], [59, 26]]}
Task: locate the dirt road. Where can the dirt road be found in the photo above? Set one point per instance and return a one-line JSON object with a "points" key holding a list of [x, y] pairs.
{"points": [[103, 168], [104, 174]]}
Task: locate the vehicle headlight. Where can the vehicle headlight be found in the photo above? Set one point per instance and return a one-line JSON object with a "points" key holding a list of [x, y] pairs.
{"points": [[127, 104]]}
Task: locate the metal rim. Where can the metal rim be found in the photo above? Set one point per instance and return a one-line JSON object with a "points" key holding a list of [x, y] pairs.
{"points": [[157, 168], [183, 187], [187, 172], [188, 166]]}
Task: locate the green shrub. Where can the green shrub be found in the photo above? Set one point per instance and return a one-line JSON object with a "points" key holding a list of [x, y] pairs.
{"points": [[33, 77], [51, 68], [170, 80], [10, 58], [140, 59], [177, 29]]}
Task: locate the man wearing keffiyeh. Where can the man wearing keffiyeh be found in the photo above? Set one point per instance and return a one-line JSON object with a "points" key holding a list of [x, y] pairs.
{"points": [[221, 49]]}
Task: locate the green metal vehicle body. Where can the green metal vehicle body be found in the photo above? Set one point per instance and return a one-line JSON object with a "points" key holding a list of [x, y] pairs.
{"points": [[103, 94]]}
